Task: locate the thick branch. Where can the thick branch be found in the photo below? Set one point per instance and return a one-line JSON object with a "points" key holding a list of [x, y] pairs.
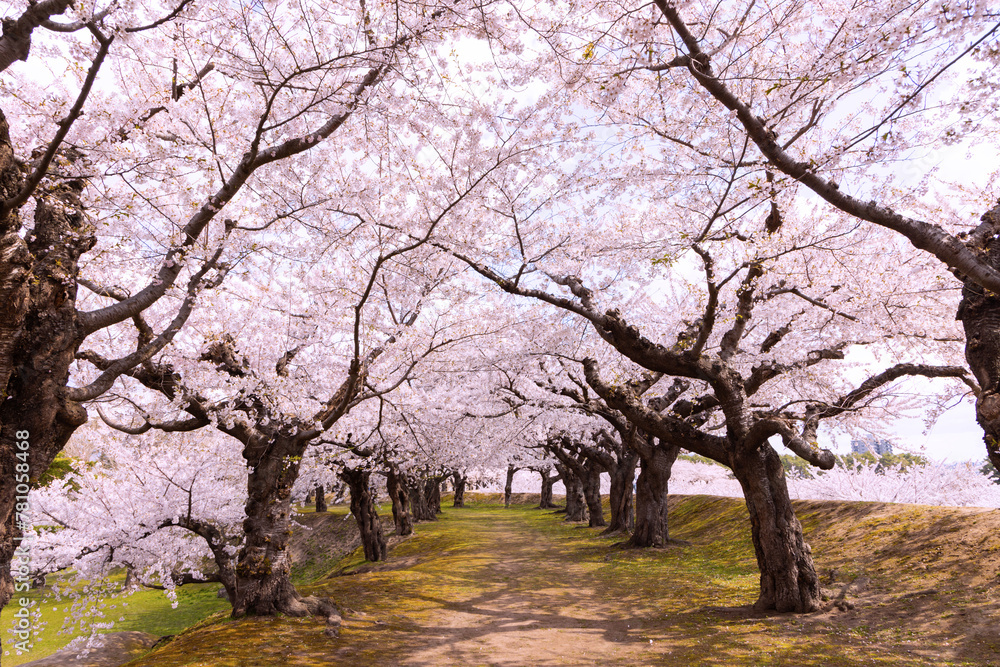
{"points": [[707, 322], [175, 426], [922, 235], [744, 308], [16, 40], [664, 426], [808, 450], [146, 352], [849, 401], [768, 370]]}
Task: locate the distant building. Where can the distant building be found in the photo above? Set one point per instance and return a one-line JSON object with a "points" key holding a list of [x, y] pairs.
{"points": [[871, 444]]}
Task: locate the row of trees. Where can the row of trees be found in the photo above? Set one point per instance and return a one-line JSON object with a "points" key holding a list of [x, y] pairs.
{"points": [[284, 218]]}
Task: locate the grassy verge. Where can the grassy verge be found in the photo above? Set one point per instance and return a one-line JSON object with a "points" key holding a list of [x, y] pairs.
{"points": [[148, 611], [325, 538]]}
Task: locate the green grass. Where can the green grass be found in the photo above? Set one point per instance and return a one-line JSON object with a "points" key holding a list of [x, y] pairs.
{"points": [[147, 611]]}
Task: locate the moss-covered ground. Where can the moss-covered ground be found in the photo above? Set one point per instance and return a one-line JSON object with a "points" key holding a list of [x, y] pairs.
{"points": [[486, 585]]}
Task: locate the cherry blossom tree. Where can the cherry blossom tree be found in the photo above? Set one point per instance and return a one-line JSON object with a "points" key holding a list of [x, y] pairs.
{"points": [[272, 403], [840, 103], [146, 141], [159, 507], [761, 320]]}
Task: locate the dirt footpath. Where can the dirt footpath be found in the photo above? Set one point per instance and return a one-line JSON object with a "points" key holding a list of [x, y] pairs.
{"points": [[521, 601]]}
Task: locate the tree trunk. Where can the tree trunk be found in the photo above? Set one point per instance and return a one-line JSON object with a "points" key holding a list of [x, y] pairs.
{"points": [[263, 569], [592, 492], [651, 493], [320, 498], [15, 270], [459, 480], [363, 509], [227, 574], [39, 338], [979, 312], [432, 491], [509, 485], [401, 516], [545, 498], [788, 580], [219, 546], [576, 508], [418, 501], [622, 508]]}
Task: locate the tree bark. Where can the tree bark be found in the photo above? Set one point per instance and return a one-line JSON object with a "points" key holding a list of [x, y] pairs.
{"points": [[432, 491], [545, 498], [788, 580], [459, 481], [15, 269], [320, 498], [579, 479], [651, 494], [592, 493], [576, 508], [418, 500], [219, 546], [363, 508], [979, 311], [263, 569], [39, 337], [509, 485], [401, 516], [15, 42], [622, 506]]}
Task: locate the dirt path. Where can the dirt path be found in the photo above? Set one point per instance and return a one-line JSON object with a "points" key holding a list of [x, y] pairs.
{"points": [[521, 602]]}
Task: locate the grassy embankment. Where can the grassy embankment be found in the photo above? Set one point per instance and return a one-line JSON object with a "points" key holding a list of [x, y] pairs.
{"points": [[146, 611]]}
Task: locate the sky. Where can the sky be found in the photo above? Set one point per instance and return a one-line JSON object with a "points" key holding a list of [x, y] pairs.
{"points": [[955, 437]]}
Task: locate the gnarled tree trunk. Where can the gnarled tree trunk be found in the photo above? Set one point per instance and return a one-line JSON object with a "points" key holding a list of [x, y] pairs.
{"points": [[592, 493], [418, 500], [979, 312], [788, 580], [545, 498], [263, 569], [576, 508], [363, 508], [459, 480], [39, 337], [651, 526], [509, 485], [320, 498], [432, 491], [401, 516], [15, 269], [622, 507]]}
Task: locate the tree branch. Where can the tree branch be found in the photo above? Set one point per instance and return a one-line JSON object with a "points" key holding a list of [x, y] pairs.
{"points": [[922, 235]]}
